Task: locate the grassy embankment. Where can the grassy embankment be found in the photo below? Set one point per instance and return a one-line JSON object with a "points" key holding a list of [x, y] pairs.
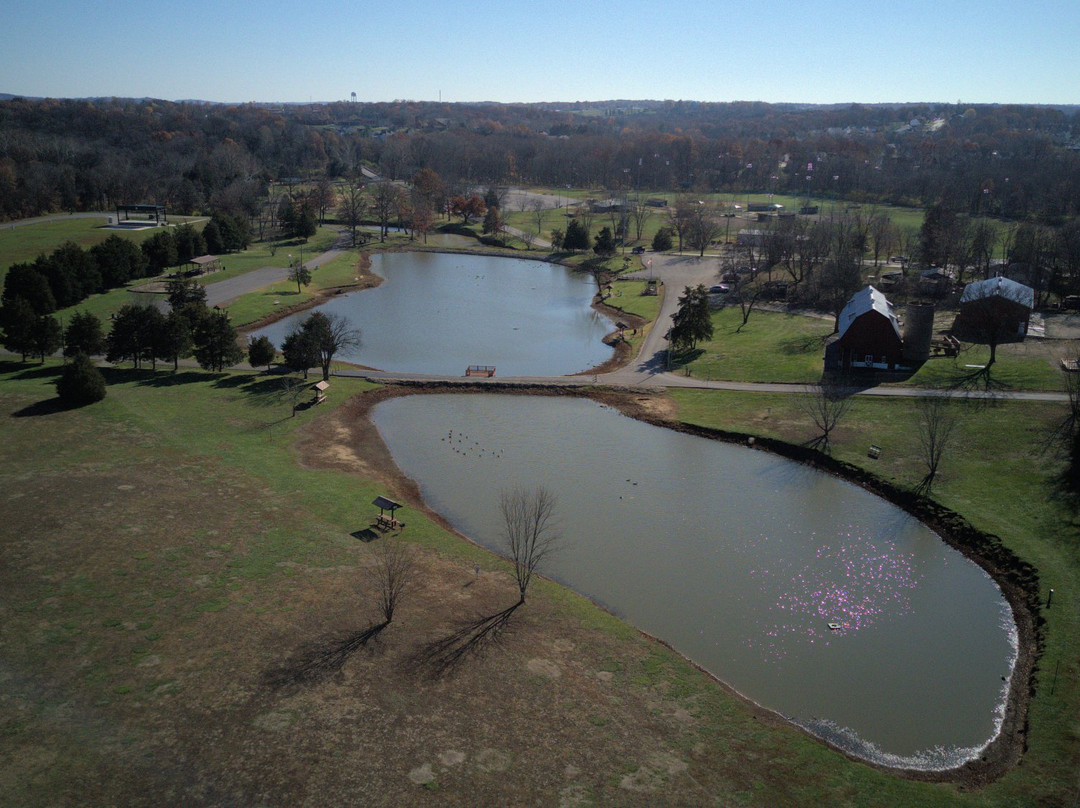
{"points": [[999, 472], [168, 545]]}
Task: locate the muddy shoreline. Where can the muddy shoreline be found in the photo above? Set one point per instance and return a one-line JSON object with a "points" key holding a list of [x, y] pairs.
{"points": [[1017, 580]]}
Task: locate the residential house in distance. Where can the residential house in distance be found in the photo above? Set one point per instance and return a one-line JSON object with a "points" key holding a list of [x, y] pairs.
{"points": [[869, 335]]}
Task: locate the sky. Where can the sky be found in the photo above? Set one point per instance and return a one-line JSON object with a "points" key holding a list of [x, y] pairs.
{"points": [[828, 51]]}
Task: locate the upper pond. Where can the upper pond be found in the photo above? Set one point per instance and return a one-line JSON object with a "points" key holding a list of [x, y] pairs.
{"points": [[740, 560], [440, 312]]}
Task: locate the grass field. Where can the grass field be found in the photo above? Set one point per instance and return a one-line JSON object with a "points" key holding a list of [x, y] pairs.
{"points": [[25, 243], [341, 272], [783, 347], [163, 549], [169, 545]]}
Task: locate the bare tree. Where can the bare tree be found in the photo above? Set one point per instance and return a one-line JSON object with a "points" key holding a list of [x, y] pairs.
{"points": [[392, 575], [530, 533], [680, 217], [884, 235], [384, 204], [640, 214], [826, 405], [937, 418], [705, 226], [351, 212], [748, 298], [292, 390], [536, 206]]}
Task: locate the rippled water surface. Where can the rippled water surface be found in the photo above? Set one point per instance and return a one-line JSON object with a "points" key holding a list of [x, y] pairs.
{"points": [[741, 561], [441, 312]]}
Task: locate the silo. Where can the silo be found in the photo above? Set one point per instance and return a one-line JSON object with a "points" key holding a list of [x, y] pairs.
{"points": [[918, 331]]}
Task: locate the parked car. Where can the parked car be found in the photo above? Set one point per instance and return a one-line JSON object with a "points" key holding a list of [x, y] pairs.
{"points": [[719, 289], [639, 250]]}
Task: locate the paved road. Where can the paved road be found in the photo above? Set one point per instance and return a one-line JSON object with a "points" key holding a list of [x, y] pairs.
{"points": [[676, 272], [222, 292]]}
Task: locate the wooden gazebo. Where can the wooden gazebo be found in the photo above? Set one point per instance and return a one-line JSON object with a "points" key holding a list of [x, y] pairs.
{"points": [[385, 504]]}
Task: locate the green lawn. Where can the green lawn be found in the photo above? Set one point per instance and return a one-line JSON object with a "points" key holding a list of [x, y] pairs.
{"points": [[237, 532], [22, 244], [255, 306], [771, 347], [254, 257]]}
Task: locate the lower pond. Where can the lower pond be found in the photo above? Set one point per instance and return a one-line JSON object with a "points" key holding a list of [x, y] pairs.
{"points": [[439, 313], [805, 593]]}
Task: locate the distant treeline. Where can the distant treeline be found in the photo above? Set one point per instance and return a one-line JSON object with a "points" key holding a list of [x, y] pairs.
{"points": [[1017, 162]]}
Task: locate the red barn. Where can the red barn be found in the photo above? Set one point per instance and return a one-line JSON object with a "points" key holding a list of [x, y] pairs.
{"points": [[869, 335]]}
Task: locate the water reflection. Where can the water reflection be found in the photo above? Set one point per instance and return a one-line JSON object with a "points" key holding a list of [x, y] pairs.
{"points": [[439, 313]]}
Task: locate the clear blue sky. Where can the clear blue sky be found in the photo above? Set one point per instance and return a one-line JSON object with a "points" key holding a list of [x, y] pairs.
{"points": [[552, 50]]}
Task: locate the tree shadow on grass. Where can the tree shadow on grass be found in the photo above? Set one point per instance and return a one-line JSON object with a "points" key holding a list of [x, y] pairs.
{"points": [[441, 657], [170, 379], [680, 359], [797, 346], [319, 661], [977, 380], [39, 372], [50, 406]]}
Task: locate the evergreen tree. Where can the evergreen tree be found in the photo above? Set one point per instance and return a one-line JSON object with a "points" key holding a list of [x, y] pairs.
{"points": [[160, 252], [215, 343], [174, 340], [576, 236], [17, 322], [119, 260], [25, 281], [299, 351], [47, 336], [691, 323], [84, 334], [261, 351], [662, 241], [80, 382], [215, 245], [604, 243]]}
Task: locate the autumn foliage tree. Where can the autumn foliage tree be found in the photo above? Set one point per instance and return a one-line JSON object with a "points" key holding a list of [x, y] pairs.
{"points": [[472, 207]]}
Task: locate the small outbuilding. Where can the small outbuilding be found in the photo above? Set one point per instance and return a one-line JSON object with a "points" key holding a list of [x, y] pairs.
{"points": [[997, 307], [869, 336], [206, 263], [385, 520]]}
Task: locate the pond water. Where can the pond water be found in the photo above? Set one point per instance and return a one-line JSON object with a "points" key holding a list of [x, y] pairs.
{"points": [[740, 560], [440, 312]]}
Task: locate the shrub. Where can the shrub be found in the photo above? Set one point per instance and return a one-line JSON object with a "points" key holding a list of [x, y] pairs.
{"points": [[80, 383]]}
